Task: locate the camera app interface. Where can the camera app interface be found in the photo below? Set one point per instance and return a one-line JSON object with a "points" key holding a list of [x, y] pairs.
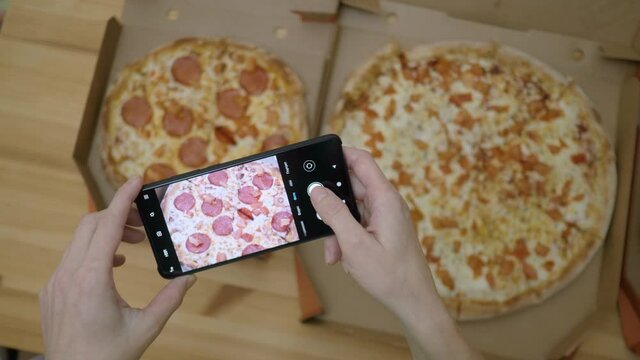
{"points": [[228, 213], [224, 214]]}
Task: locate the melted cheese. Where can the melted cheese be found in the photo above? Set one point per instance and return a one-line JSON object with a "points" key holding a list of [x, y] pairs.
{"points": [[512, 182]]}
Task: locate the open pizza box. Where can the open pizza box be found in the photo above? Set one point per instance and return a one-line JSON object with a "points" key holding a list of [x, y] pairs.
{"points": [[277, 26], [594, 47]]}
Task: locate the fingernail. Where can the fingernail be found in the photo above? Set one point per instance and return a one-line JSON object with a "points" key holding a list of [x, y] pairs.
{"points": [[133, 179], [326, 256], [191, 279]]}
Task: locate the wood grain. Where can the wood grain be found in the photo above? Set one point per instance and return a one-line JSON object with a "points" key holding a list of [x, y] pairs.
{"points": [[246, 310]]}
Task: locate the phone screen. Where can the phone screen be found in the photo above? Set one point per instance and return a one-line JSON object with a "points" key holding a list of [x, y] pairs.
{"points": [[249, 206]]}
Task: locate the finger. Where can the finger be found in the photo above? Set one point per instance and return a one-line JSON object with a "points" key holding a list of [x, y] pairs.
{"points": [[165, 303], [332, 252], [366, 170], [118, 260], [111, 226], [133, 219], [359, 191], [79, 244], [364, 213], [336, 215], [132, 236]]}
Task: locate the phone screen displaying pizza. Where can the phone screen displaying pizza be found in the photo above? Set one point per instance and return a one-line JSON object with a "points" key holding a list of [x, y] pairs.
{"points": [[249, 206]]}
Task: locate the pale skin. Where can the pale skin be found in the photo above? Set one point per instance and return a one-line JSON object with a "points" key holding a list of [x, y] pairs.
{"points": [[84, 316]]}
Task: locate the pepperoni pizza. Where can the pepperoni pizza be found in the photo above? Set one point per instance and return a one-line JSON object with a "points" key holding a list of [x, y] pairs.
{"points": [[198, 102], [508, 174], [228, 213]]}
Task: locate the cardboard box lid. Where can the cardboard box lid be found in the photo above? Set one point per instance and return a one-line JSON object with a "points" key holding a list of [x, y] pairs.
{"points": [[615, 24]]}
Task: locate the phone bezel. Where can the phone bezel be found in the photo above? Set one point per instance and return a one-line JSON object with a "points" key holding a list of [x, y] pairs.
{"points": [[198, 172]]}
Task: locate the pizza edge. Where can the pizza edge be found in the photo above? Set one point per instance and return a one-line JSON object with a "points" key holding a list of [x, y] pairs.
{"points": [[359, 77], [607, 169]]}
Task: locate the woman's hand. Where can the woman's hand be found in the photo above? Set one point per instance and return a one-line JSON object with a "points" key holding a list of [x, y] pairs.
{"points": [[383, 255], [83, 316]]}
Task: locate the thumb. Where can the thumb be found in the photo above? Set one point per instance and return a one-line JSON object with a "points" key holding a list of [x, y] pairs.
{"points": [[335, 213], [166, 302]]}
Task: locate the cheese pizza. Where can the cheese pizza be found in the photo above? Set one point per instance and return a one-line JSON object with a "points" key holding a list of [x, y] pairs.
{"points": [[198, 102], [228, 213], [508, 174]]}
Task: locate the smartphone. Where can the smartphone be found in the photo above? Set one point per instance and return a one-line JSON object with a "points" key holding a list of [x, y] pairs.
{"points": [[242, 208]]}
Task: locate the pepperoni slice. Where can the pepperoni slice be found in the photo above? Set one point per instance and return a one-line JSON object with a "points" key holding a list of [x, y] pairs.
{"points": [[218, 178], [249, 194], [274, 141], [245, 213], [224, 135], [184, 202], [187, 70], [281, 221], [198, 243], [136, 112], [221, 257], [231, 103], [158, 171], [246, 237], [193, 151], [211, 206], [251, 248], [254, 81], [178, 123], [222, 225], [263, 181]]}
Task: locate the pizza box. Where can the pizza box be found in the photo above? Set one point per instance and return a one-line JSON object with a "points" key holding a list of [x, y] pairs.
{"points": [[554, 327], [305, 46]]}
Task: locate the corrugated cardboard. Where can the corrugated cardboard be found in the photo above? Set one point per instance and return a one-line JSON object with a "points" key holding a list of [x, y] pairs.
{"points": [[632, 259], [610, 22], [304, 46], [614, 93]]}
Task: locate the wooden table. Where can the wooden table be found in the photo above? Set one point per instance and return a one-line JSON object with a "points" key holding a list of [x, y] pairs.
{"points": [[247, 310]]}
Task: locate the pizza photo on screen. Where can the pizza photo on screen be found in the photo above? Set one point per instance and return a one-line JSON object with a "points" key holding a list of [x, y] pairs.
{"points": [[228, 213]]}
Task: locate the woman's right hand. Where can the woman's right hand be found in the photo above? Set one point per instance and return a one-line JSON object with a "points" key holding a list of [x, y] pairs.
{"points": [[383, 255]]}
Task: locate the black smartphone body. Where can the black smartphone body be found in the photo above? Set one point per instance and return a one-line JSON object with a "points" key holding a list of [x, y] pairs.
{"points": [[246, 207]]}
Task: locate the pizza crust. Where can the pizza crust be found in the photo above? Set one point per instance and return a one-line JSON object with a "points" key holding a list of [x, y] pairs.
{"points": [[364, 71]]}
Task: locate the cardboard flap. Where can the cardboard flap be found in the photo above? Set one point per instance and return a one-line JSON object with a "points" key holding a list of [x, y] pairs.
{"points": [[614, 247], [82, 149], [608, 22], [316, 10], [615, 51], [185, 19]]}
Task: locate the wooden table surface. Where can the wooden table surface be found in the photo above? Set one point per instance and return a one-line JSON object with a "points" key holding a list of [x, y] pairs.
{"points": [[247, 310]]}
